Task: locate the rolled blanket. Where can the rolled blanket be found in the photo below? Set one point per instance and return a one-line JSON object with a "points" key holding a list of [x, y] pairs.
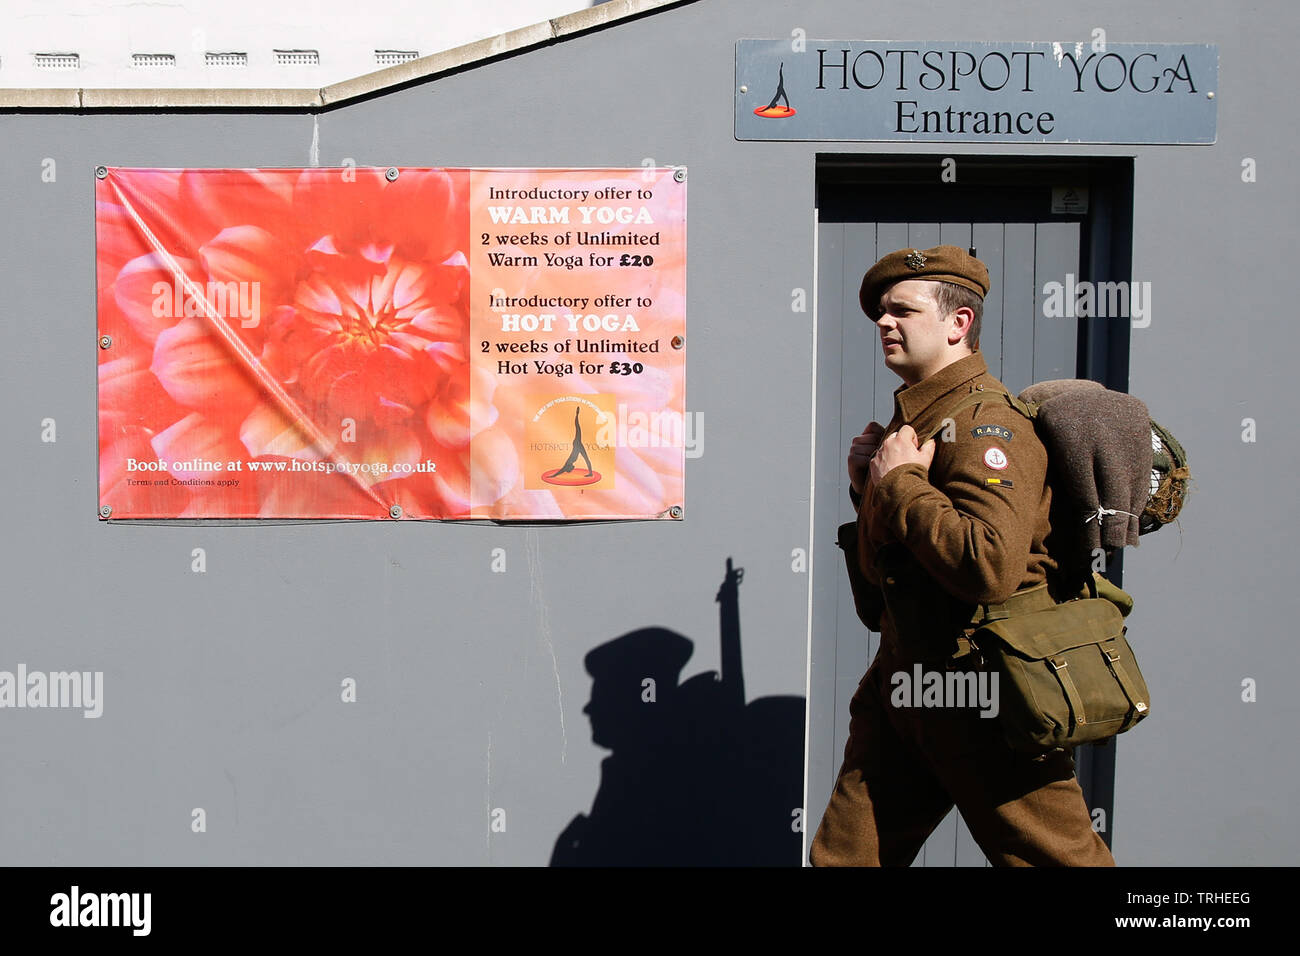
{"points": [[1059, 386], [1099, 445]]}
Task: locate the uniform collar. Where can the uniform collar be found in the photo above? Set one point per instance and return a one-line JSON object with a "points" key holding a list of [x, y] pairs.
{"points": [[912, 400]]}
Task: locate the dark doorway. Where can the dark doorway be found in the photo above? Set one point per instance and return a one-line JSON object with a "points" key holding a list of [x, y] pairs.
{"points": [[1032, 221]]}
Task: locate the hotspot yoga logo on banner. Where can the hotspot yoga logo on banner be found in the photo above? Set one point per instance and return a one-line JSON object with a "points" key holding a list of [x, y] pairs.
{"points": [[362, 343]]}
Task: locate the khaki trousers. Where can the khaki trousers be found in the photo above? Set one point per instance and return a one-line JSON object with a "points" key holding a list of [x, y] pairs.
{"points": [[905, 767]]}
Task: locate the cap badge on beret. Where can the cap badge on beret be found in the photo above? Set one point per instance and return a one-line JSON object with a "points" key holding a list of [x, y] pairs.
{"points": [[915, 261]]}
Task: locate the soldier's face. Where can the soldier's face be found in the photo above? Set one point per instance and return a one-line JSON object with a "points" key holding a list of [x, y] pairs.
{"points": [[913, 334]]}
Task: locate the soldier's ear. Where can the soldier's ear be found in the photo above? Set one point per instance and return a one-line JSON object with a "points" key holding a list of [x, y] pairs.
{"points": [[963, 318]]}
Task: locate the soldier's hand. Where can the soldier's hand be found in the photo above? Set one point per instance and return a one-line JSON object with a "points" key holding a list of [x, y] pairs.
{"points": [[860, 454], [900, 449]]}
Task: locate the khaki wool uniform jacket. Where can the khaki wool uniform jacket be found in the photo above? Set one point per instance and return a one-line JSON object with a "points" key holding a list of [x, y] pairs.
{"points": [[971, 530]]}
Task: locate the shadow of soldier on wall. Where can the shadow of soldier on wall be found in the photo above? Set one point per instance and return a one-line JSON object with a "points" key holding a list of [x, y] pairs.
{"points": [[696, 776]]}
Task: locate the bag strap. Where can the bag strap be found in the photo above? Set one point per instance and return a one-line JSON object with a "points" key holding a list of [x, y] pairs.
{"points": [[1035, 598], [1061, 669], [980, 394], [1113, 660]]}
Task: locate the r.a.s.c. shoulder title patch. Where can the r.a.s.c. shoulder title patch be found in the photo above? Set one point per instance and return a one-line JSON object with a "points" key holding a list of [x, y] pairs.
{"points": [[992, 431]]}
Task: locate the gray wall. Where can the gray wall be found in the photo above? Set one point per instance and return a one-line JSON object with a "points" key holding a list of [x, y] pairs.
{"points": [[222, 689]]}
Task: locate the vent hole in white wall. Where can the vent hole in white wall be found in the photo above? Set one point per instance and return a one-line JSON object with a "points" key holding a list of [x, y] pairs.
{"points": [[225, 59], [390, 57], [153, 59], [297, 57], [58, 61]]}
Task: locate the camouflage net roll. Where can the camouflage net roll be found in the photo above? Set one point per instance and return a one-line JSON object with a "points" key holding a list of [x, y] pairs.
{"points": [[1169, 480]]}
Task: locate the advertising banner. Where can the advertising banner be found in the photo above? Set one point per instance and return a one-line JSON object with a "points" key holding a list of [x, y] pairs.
{"points": [[391, 343]]}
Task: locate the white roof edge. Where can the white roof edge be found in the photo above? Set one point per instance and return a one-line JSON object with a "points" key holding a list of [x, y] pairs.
{"points": [[547, 31]]}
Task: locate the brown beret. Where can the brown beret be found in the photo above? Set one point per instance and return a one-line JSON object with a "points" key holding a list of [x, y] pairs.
{"points": [[942, 263]]}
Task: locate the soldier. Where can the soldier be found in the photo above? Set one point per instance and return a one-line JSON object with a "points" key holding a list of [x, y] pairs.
{"points": [[945, 529]]}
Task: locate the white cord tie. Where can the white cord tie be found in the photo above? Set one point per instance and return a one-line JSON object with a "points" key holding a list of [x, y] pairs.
{"points": [[1100, 512]]}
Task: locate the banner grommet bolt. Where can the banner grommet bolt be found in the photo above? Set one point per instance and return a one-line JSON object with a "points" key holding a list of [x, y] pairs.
{"points": [[106, 512], [680, 175], [395, 511], [106, 341], [391, 174], [675, 511], [101, 172]]}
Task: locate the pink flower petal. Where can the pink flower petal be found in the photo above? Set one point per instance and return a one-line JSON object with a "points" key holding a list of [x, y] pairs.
{"points": [[200, 372], [494, 467], [194, 440], [146, 292], [267, 432]]}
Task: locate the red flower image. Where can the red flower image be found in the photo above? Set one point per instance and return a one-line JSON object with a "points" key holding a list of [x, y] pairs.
{"points": [[290, 343]]}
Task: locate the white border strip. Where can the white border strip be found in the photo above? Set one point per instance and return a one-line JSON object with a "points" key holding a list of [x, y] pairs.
{"points": [[812, 512]]}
